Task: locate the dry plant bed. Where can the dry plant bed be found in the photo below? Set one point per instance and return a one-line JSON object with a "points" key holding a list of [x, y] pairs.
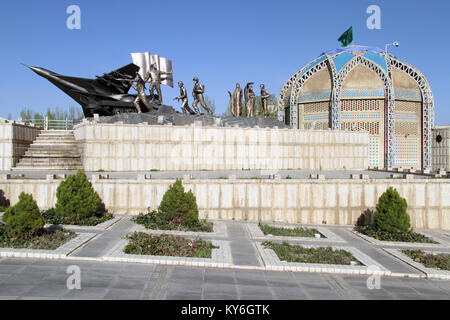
{"points": [[45, 239], [400, 236], [289, 232], [52, 218], [299, 254], [430, 260], [152, 220], [168, 245]]}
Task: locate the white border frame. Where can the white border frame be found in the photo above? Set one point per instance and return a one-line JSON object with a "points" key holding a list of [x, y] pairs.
{"points": [[220, 258]]}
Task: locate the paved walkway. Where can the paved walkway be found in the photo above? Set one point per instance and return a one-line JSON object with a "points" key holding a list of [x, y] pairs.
{"points": [[243, 250], [374, 252], [46, 279], [40, 278], [105, 240]]}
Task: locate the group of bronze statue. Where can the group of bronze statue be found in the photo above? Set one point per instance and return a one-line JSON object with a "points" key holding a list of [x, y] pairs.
{"points": [[250, 100], [197, 93], [155, 76]]}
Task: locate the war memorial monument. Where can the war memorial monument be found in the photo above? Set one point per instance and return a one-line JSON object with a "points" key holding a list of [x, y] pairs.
{"points": [[349, 110], [353, 127]]}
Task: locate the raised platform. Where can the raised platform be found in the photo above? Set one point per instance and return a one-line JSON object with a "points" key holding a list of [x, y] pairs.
{"points": [[208, 143], [167, 115]]}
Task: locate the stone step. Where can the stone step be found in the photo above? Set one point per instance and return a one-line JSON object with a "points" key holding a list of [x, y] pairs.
{"points": [[52, 164], [66, 160], [58, 132], [47, 168], [54, 147], [52, 150], [56, 139], [43, 154]]}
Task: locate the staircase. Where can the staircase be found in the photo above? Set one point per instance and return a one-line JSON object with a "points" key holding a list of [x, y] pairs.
{"points": [[52, 150]]}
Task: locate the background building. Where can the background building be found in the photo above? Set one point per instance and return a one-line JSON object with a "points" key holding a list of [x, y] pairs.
{"points": [[441, 148], [363, 88]]}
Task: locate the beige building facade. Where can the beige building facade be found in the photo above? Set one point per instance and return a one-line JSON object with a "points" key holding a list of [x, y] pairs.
{"points": [[441, 148]]}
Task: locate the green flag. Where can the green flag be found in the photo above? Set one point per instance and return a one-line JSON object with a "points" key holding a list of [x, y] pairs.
{"points": [[347, 37]]}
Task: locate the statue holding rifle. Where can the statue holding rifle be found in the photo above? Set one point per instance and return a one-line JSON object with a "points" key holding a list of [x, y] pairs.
{"points": [[184, 98], [140, 88]]}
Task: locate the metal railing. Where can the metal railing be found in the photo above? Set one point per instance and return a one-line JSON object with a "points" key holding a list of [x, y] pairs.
{"points": [[48, 124]]}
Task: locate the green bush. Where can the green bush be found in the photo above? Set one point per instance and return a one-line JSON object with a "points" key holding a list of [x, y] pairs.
{"points": [[390, 214], [177, 211], [178, 206], [76, 199], [23, 218]]}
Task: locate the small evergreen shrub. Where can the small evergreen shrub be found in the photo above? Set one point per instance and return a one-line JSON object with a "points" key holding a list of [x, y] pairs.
{"points": [[178, 210], [178, 206], [23, 218], [390, 214], [391, 221], [4, 203], [176, 203], [76, 200]]}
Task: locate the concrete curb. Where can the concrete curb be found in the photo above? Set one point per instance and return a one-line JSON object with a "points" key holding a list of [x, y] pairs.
{"points": [[429, 272], [402, 244], [221, 257], [256, 234], [219, 231], [100, 227], [60, 253]]}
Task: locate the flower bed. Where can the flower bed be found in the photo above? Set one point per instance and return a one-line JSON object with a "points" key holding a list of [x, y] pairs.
{"points": [[153, 221], [299, 254], [168, 245], [51, 217], [439, 261], [399, 236], [289, 232], [46, 239]]}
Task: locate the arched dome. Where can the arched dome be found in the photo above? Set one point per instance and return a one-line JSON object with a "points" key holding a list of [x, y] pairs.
{"points": [[364, 88]]}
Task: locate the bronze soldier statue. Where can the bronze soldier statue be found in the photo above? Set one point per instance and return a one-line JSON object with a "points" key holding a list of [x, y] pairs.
{"points": [[184, 98], [197, 93], [250, 100], [264, 100], [155, 78], [140, 88]]}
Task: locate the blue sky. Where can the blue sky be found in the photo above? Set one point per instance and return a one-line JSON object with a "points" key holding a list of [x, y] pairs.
{"points": [[221, 42]]}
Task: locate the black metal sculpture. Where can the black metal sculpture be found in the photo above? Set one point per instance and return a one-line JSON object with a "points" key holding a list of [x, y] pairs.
{"points": [[106, 95]]}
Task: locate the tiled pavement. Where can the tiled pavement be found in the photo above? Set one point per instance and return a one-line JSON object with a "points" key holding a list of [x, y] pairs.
{"points": [[40, 278], [46, 279]]}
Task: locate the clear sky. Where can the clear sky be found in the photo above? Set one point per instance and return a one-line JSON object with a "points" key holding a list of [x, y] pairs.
{"points": [[221, 42]]}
